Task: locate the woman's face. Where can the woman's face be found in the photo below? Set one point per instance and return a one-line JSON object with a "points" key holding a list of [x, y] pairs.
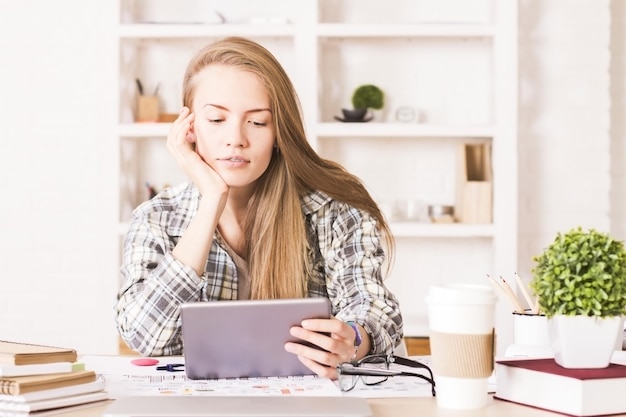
{"points": [[233, 124]]}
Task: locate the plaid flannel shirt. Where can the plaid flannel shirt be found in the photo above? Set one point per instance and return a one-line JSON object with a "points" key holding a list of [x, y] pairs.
{"points": [[347, 258]]}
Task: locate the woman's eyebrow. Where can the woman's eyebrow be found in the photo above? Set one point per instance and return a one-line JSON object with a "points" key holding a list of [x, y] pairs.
{"points": [[214, 105], [217, 106], [258, 110]]}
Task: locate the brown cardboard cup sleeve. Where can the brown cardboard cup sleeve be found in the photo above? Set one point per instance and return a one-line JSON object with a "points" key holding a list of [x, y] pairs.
{"points": [[462, 355]]}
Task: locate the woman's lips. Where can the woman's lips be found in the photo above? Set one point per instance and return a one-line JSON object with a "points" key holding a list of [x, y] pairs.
{"points": [[234, 160]]}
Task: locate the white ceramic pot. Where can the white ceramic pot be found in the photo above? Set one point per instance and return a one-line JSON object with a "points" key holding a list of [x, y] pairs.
{"points": [[584, 342]]}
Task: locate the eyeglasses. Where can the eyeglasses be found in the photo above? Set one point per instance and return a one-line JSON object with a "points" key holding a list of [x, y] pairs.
{"points": [[374, 370]]}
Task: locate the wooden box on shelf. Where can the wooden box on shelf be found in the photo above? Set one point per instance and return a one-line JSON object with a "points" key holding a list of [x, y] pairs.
{"points": [[474, 186], [147, 108]]}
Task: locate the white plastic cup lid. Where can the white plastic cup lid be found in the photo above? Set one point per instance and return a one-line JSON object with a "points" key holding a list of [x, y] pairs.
{"points": [[461, 294]]}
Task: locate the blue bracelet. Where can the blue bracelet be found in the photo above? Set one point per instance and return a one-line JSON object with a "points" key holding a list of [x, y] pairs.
{"points": [[357, 337]]}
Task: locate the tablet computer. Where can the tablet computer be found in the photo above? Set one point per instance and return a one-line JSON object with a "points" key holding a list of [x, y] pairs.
{"points": [[245, 338]]}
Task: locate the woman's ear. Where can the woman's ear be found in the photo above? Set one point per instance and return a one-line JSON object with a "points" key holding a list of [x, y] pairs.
{"points": [[191, 139]]}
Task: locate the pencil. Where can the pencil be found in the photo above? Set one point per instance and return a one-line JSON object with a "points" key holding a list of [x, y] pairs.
{"points": [[519, 308], [522, 289], [508, 293], [507, 289], [536, 307]]}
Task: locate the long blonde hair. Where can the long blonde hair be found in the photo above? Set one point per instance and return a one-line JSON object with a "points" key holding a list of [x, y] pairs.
{"points": [[277, 246]]}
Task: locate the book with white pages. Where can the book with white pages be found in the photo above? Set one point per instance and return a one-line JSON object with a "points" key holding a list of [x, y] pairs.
{"points": [[18, 353], [30, 407], [55, 411], [40, 368], [543, 384], [98, 385]]}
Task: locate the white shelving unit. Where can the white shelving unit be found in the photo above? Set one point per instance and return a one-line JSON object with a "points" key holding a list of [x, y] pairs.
{"points": [[452, 62]]}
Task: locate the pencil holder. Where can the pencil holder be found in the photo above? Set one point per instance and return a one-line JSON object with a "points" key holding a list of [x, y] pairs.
{"points": [[147, 108], [530, 330]]}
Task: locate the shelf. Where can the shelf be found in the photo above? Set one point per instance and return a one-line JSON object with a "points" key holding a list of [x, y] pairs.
{"points": [[161, 31], [339, 30], [144, 130], [401, 130], [428, 230], [331, 130]]}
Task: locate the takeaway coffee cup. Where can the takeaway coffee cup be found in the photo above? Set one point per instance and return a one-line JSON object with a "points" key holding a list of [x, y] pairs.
{"points": [[461, 322]]}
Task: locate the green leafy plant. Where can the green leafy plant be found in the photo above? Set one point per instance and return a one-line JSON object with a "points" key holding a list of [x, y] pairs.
{"points": [[368, 96], [582, 272]]}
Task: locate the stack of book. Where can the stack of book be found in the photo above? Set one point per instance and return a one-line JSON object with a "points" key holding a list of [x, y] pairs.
{"points": [[542, 383], [38, 380]]}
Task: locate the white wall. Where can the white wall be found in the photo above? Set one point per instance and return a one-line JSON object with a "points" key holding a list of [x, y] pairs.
{"points": [[568, 176], [56, 243], [618, 118], [57, 246]]}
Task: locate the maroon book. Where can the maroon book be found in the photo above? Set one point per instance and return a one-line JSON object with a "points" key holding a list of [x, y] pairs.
{"points": [[542, 383], [550, 366]]}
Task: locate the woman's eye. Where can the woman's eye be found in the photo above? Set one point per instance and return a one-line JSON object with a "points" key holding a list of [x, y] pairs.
{"points": [[216, 120], [255, 123]]}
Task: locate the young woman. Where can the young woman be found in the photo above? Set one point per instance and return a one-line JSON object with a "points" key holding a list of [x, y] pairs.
{"points": [[262, 217]]}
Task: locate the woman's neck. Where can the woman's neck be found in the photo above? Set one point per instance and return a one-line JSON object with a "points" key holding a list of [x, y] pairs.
{"points": [[232, 221]]}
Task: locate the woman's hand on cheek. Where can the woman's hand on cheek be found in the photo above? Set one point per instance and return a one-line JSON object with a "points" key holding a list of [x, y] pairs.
{"points": [[181, 142], [333, 343], [180, 138]]}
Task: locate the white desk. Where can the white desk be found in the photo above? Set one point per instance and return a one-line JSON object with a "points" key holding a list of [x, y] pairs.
{"points": [[402, 407], [407, 407]]}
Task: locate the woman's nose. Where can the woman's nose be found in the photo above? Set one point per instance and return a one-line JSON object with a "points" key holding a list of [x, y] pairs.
{"points": [[237, 135]]}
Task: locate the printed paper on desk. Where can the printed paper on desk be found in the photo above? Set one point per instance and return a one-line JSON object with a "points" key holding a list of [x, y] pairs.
{"points": [[125, 379], [178, 384]]}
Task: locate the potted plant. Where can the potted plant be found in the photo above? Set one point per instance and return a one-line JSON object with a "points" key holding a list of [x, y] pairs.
{"points": [[580, 285], [364, 97]]}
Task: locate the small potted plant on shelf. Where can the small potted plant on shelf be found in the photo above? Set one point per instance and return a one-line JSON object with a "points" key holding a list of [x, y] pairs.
{"points": [[364, 97], [580, 285]]}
